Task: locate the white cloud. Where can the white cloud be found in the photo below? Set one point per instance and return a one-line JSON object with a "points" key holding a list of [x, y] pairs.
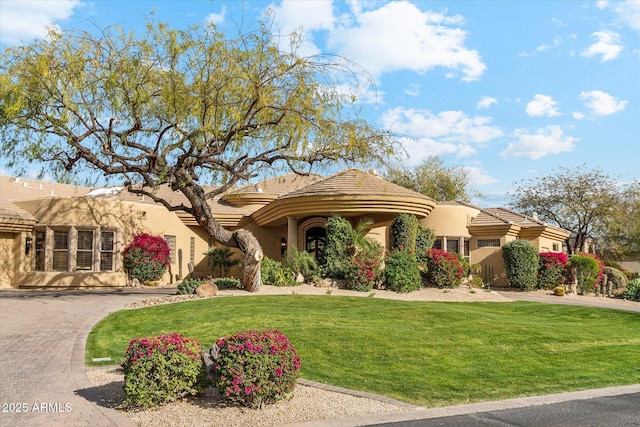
{"points": [[396, 36], [578, 115], [486, 102], [217, 18], [542, 105], [601, 103], [608, 45], [412, 90], [21, 20], [479, 176], [450, 132], [627, 11], [546, 141]]}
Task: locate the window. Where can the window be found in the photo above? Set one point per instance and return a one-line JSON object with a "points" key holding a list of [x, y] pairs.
{"points": [[437, 244], [556, 247], [107, 245], [171, 241], [488, 243], [84, 250], [466, 248], [40, 250], [60, 251], [453, 246], [68, 249]]}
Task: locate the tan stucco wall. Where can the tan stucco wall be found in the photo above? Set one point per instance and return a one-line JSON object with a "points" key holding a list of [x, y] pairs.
{"points": [[450, 220], [128, 218], [8, 253]]}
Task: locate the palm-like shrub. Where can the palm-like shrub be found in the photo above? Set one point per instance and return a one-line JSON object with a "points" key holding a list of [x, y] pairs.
{"points": [[221, 260], [301, 262]]}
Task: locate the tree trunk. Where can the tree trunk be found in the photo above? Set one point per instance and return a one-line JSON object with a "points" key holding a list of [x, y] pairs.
{"points": [[242, 239]]}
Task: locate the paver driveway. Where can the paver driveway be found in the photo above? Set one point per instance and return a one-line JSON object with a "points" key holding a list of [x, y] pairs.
{"points": [[42, 336]]}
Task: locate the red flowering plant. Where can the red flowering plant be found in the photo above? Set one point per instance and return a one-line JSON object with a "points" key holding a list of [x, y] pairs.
{"points": [[552, 268], [443, 269], [146, 258], [363, 273], [161, 369], [255, 368]]}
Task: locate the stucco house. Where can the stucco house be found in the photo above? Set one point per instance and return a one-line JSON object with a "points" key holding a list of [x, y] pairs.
{"points": [[55, 235]]}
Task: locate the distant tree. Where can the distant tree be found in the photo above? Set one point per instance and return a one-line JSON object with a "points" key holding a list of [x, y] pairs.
{"points": [[184, 109], [619, 234], [433, 179], [577, 199]]}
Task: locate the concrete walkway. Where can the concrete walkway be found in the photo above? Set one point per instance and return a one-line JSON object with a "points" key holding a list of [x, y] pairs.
{"points": [[42, 337], [42, 340]]}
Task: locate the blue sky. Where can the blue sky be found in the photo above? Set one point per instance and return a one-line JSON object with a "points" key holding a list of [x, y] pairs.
{"points": [[511, 90]]}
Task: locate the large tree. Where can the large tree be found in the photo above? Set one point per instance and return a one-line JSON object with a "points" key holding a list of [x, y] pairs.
{"points": [[619, 235], [577, 199], [187, 108], [434, 179]]}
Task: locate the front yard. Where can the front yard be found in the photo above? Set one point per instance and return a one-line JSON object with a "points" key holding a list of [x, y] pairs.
{"points": [[425, 353]]}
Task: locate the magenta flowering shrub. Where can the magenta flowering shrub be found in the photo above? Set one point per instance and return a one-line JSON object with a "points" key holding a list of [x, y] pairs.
{"points": [[552, 268], [146, 258], [443, 269], [363, 273], [161, 369], [255, 368]]}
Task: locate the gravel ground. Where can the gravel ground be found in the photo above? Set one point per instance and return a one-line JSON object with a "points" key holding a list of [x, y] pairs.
{"points": [[308, 403]]}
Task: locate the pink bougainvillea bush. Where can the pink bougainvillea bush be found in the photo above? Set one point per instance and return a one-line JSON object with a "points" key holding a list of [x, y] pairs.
{"points": [[552, 268], [255, 368], [146, 258], [443, 269], [161, 369]]}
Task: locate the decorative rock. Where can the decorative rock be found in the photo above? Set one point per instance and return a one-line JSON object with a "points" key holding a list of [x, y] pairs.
{"points": [[134, 283], [206, 290], [324, 283]]}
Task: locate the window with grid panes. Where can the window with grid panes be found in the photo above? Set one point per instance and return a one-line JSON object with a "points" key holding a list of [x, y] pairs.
{"points": [[107, 245], [60, 251], [84, 250]]}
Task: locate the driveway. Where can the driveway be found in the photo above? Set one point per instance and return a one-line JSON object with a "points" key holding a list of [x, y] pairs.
{"points": [[42, 337]]}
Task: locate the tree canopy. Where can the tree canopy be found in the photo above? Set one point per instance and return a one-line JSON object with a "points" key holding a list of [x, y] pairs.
{"points": [[586, 202], [432, 178], [183, 108]]}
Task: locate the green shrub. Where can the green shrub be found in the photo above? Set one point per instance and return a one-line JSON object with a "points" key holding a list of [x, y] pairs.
{"points": [[404, 231], [424, 241], [337, 260], [275, 273], [189, 286], [616, 279], [585, 270], [443, 269], [558, 291], [161, 369], [552, 268], [476, 282], [401, 272], [146, 258], [255, 368], [521, 264], [632, 293], [228, 283]]}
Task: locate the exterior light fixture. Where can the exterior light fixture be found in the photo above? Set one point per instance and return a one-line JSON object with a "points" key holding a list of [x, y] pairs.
{"points": [[28, 242]]}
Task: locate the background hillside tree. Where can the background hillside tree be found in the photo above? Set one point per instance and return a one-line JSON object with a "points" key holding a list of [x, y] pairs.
{"points": [[619, 235], [577, 199], [433, 179], [183, 108]]}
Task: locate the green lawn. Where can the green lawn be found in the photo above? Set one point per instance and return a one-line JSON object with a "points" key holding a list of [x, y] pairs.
{"points": [[426, 353]]}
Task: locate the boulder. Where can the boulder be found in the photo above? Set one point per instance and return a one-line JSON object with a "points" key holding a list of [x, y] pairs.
{"points": [[207, 290], [324, 283]]}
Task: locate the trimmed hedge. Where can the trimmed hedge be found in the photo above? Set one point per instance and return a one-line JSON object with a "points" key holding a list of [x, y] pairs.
{"points": [[401, 272], [521, 264]]}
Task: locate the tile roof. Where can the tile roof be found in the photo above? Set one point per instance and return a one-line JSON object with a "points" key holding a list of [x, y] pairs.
{"points": [[10, 211], [355, 182], [279, 185], [17, 189]]}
